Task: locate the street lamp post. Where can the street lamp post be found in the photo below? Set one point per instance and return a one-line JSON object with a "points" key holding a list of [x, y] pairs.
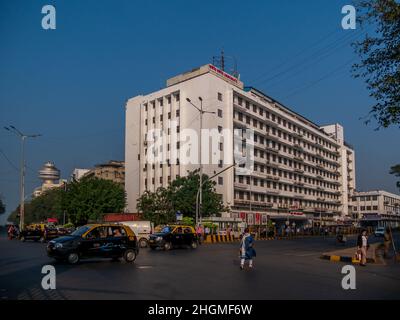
{"points": [[23, 137], [199, 198], [210, 178]]}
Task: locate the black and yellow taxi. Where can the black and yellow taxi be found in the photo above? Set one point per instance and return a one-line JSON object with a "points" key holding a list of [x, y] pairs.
{"points": [[171, 236], [34, 231], [95, 241], [40, 232]]}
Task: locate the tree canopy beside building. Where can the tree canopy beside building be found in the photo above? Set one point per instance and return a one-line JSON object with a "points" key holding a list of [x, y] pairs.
{"points": [[2, 207], [90, 198], [380, 58], [47, 205], [162, 205], [395, 170], [87, 199]]}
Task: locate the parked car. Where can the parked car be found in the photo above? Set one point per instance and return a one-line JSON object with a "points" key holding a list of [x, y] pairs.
{"points": [[142, 230], [41, 232], [33, 232], [95, 241], [174, 236], [379, 232]]}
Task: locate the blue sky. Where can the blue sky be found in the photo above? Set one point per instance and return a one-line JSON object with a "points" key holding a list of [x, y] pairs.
{"points": [[71, 84]]}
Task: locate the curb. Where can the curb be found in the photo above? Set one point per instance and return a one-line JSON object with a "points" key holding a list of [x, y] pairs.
{"points": [[348, 259]]}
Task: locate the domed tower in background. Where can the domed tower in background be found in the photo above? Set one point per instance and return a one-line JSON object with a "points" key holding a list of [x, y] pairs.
{"points": [[50, 176]]}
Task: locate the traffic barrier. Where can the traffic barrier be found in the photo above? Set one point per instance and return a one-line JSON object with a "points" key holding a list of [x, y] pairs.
{"points": [[213, 238]]}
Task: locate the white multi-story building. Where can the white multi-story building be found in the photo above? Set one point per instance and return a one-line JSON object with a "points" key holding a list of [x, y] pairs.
{"points": [[78, 174], [302, 171], [376, 208]]}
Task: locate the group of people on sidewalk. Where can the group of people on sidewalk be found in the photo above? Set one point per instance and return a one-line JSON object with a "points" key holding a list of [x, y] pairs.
{"points": [[363, 245], [247, 251]]}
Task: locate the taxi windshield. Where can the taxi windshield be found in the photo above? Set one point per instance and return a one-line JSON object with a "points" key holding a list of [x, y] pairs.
{"points": [[166, 230], [80, 231]]}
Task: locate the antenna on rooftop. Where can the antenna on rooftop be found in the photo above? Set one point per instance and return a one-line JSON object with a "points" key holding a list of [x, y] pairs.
{"points": [[220, 62]]}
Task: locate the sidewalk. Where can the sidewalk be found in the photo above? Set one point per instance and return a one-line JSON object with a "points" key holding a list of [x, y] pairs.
{"points": [[347, 255]]}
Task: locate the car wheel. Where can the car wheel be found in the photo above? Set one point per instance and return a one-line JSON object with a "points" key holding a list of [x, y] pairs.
{"points": [[168, 246], [73, 258], [193, 245], [143, 243], [130, 255]]}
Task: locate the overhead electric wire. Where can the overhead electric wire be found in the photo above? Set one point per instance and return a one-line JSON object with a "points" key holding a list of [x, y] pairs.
{"points": [[319, 41], [8, 160], [312, 63], [326, 76], [319, 55]]}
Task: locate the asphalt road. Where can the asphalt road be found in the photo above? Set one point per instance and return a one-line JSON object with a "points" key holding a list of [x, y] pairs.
{"points": [[283, 270]]}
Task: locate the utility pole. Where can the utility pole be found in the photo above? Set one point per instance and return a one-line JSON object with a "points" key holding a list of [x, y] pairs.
{"points": [[210, 178], [199, 202], [23, 137]]}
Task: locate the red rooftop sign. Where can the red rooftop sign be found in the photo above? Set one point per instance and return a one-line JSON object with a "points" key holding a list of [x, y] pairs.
{"points": [[222, 73]]}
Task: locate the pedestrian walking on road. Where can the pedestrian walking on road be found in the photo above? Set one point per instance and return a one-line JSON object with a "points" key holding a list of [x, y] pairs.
{"points": [[387, 239], [10, 232], [200, 233], [362, 244], [247, 252]]}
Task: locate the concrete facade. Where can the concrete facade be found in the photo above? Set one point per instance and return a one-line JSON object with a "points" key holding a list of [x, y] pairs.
{"points": [[302, 171], [376, 208]]}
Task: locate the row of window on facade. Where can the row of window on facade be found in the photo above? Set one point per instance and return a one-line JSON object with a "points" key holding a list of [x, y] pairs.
{"points": [[161, 101], [291, 151], [243, 195], [366, 208], [284, 136], [263, 112], [288, 175], [296, 189], [161, 180], [177, 113], [293, 165]]}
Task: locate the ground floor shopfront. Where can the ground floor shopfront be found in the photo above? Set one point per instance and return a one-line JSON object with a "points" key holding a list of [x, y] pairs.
{"points": [[380, 220]]}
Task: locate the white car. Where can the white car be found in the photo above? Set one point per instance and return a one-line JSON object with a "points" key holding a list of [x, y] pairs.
{"points": [[379, 232], [142, 230]]}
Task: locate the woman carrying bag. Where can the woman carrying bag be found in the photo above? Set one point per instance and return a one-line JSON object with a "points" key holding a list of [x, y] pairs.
{"points": [[247, 251], [362, 245]]}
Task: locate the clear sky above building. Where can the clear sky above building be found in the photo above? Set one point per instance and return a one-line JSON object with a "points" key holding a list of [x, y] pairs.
{"points": [[71, 84]]}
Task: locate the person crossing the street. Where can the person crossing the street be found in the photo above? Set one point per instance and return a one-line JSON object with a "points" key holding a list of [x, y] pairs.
{"points": [[247, 252]]}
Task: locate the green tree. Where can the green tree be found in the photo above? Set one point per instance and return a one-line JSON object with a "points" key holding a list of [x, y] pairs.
{"points": [[156, 206], [396, 171], [162, 205], [2, 207], [380, 59], [90, 198], [47, 205]]}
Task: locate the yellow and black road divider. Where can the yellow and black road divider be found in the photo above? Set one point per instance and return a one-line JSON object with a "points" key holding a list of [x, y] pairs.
{"points": [[227, 239], [213, 238]]}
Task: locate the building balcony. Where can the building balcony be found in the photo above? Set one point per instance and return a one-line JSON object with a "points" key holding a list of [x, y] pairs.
{"points": [[241, 186], [273, 150], [272, 192], [298, 147]]}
